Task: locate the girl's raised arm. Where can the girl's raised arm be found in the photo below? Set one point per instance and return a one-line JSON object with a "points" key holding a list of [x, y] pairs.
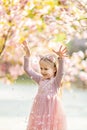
{"points": [[27, 66], [61, 54]]}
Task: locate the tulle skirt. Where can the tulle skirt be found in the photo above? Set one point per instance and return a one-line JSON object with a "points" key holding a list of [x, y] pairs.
{"points": [[47, 114]]}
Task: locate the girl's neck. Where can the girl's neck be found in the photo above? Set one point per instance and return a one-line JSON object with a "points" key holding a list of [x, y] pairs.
{"points": [[47, 78]]}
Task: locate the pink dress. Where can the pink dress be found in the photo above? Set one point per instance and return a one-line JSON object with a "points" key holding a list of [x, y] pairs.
{"points": [[47, 112]]}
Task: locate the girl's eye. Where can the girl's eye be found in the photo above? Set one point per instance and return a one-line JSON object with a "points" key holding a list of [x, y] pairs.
{"points": [[44, 68]]}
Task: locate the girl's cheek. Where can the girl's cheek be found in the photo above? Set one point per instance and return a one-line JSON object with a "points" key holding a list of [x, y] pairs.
{"points": [[49, 71]]}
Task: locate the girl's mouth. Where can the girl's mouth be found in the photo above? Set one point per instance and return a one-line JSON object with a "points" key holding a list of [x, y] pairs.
{"points": [[44, 74]]}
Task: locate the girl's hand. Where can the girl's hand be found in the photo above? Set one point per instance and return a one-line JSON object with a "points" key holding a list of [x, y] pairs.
{"points": [[26, 48], [62, 52]]}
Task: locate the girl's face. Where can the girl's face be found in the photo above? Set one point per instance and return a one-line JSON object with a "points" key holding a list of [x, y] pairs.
{"points": [[47, 69]]}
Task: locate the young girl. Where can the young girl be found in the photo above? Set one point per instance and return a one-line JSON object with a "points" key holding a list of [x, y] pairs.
{"points": [[47, 112]]}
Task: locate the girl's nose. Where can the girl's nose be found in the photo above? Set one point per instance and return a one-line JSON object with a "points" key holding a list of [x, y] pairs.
{"points": [[42, 71]]}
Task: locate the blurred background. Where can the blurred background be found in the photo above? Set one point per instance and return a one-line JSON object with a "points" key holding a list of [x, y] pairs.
{"points": [[45, 25]]}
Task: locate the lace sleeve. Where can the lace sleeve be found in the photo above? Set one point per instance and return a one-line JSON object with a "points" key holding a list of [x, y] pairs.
{"points": [[59, 74], [28, 69]]}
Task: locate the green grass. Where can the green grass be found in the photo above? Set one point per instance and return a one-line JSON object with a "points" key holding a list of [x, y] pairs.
{"points": [[24, 80]]}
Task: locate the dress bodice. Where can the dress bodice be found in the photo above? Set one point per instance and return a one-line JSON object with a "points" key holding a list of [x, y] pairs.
{"points": [[47, 87]]}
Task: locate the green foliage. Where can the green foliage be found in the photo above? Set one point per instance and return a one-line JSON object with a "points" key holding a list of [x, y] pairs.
{"points": [[24, 80], [60, 37]]}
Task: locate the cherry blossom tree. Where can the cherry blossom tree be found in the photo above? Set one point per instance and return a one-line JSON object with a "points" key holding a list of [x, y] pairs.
{"points": [[44, 24]]}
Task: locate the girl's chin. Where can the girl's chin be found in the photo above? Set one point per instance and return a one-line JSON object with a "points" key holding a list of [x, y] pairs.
{"points": [[46, 77]]}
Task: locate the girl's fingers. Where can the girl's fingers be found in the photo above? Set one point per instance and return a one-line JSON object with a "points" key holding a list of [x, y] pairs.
{"points": [[60, 48], [64, 48], [65, 51], [62, 51], [22, 45], [54, 51]]}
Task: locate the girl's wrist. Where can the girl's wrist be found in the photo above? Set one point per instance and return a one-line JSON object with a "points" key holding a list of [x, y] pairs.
{"points": [[27, 54]]}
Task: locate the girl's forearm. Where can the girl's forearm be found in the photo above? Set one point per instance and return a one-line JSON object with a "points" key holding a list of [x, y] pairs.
{"points": [[26, 63], [60, 69], [59, 73], [28, 69]]}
